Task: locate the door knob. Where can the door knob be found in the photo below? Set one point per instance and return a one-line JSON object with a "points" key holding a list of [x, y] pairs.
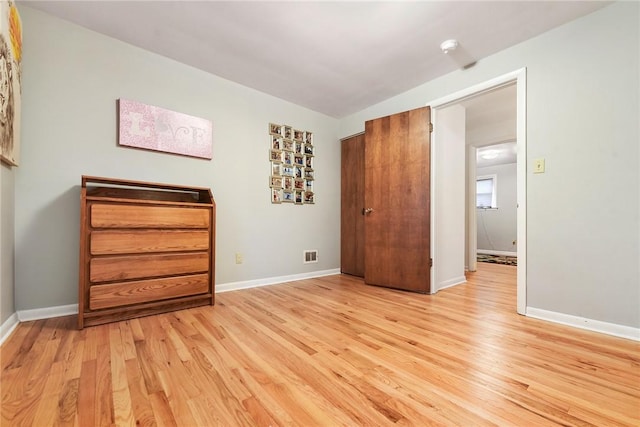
{"points": [[367, 210]]}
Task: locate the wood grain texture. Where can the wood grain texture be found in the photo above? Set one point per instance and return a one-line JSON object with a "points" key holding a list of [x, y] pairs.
{"points": [[188, 197], [325, 351], [136, 239], [142, 266], [83, 265], [137, 216], [90, 182], [98, 317], [397, 188], [136, 292], [112, 242], [351, 206]]}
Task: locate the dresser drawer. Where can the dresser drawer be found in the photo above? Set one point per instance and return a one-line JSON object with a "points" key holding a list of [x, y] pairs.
{"points": [[108, 269], [136, 216], [108, 242], [141, 291]]}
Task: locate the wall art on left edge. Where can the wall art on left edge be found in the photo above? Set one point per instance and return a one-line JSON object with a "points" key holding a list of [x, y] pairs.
{"points": [[154, 128], [10, 82]]}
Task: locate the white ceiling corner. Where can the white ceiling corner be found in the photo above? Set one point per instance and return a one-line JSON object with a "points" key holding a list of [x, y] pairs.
{"points": [[336, 58]]}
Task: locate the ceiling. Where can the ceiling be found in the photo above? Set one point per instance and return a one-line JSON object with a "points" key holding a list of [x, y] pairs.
{"points": [[498, 154], [488, 111], [336, 58], [491, 125]]}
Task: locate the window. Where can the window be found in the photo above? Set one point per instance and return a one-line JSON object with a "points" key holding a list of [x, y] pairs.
{"points": [[486, 189]]}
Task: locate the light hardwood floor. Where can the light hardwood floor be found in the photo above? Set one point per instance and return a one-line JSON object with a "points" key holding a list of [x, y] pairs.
{"points": [[324, 352]]}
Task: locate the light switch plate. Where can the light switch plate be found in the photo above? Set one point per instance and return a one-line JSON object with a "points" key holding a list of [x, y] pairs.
{"points": [[538, 166]]}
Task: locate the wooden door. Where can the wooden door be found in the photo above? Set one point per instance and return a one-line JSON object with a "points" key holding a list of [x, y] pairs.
{"points": [[352, 203], [397, 199]]}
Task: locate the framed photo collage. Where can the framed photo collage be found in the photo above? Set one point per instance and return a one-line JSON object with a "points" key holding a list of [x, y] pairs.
{"points": [[291, 155]]}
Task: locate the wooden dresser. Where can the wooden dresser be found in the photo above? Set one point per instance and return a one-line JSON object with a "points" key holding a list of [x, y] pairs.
{"points": [[145, 248]]}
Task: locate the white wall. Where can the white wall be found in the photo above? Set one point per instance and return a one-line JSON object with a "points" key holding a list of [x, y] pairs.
{"points": [[582, 109], [7, 307], [582, 117], [449, 188], [71, 80], [497, 228]]}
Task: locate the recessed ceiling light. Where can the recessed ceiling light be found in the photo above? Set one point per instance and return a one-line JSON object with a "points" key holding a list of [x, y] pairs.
{"points": [[489, 154]]}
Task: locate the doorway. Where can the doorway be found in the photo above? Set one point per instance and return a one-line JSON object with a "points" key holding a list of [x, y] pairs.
{"points": [[517, 80], [491, 141], [492, 201]]}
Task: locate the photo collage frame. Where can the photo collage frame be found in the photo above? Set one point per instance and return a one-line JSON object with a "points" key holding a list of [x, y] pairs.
{"points": [[291, 157]]}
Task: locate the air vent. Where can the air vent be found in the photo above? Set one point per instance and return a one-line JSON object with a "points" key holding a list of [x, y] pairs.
{"points": [[310, 256]]}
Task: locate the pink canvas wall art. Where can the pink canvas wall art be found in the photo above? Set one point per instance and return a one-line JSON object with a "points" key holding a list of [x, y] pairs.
{"points": [[154, 128]]}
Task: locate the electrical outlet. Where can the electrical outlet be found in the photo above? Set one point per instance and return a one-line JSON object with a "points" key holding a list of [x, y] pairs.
{"points": [[239, 258]]}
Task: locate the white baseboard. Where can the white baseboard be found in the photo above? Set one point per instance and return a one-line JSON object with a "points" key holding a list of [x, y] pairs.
{"points": [[71, 309], [47, 312], [234, 286], [565, 319], [8, 327], [584, 323], [451, 282], [498, 253]]}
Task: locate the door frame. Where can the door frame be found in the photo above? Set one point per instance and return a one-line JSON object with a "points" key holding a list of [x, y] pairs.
{"points": [[472, 213], [472, 225], [520, 78]]}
